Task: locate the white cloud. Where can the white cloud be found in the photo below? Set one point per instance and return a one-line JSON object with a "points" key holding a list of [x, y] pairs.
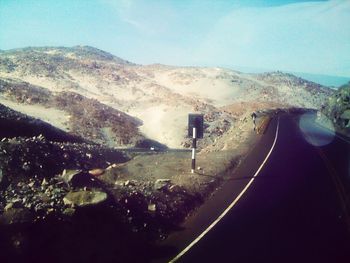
{"points": [[147, 17]]}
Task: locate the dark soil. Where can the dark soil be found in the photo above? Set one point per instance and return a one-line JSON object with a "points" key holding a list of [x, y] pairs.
{"points": [[34, 223]]}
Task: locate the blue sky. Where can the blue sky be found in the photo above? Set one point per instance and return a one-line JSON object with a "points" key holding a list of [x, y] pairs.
{"points": [[298, 36]]}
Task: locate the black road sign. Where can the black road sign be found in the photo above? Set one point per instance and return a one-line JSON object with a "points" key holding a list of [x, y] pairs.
{"points": [[196, 121]]}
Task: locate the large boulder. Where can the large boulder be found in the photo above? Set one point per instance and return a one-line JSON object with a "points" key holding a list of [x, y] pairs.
{"points": [[85, 198]]}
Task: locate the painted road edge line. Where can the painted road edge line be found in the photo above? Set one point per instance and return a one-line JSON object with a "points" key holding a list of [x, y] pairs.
{"points": [[231, 205]]}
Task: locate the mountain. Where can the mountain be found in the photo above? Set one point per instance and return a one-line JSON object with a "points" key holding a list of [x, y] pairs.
{"points": [[96, 95]]}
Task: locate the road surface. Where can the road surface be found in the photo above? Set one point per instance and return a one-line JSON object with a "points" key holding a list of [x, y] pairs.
{"points": [[295, 209]]}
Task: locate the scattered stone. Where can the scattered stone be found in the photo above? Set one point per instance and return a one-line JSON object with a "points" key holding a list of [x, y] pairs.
{"points": [[175, 188], [68, 175], [69, 211], [96, 172], [16, 216], [26, 166], [161, 183], [44, 182], [67, 201], [152, 207], [84, 198], [119, 183], [8, 206]]}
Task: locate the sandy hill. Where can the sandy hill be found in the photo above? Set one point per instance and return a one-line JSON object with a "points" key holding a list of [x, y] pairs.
{"points": [[101, 97]]}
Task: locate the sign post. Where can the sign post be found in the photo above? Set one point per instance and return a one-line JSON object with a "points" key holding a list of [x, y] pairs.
{"points": [[194, 146], [195, 130]]}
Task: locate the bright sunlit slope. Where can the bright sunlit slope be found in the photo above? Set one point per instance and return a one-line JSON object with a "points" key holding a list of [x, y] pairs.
{"points": [[158, 96]]}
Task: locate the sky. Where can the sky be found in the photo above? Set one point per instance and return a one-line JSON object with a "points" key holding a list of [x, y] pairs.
{"points": [[287, 35]]}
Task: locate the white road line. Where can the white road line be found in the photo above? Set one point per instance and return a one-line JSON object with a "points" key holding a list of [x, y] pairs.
{"points": [[231, 205]]}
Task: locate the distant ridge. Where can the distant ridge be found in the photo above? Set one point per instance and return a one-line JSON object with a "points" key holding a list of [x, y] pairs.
{"points": [[323, 79], [81, 52]]}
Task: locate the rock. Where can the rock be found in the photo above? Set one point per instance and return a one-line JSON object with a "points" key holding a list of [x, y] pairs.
{"points": [[161, 183], [8, 206], [119, 183], [69, 211], [16, 216], [345, 115], [16, 202], [44, 182], [152, 207], [96, 172], [68, 175], [26, 166], [114, 165], [67, 201], [1, 176], [126, 183], [175, 188], [84, 198]]}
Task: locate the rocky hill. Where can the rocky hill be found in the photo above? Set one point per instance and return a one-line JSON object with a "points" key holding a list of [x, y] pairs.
{"points": [[103, 98], [81, 116], [337, 108]]}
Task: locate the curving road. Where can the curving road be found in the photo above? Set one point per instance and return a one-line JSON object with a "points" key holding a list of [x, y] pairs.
{"points": [[295, 210]]}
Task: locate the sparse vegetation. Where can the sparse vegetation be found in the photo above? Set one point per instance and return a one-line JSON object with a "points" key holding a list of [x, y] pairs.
{"points": [[337, 108]]}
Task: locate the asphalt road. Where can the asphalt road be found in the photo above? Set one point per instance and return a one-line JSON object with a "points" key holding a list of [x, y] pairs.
{"points": [[296, 209]]}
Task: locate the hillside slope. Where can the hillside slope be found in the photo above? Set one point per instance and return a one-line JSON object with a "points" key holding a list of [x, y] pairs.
{"points": [[337, 109], [158, 97]]}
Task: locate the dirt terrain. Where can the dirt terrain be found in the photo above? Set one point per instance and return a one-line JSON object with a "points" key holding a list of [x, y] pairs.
{"points": [[61, 188]]}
